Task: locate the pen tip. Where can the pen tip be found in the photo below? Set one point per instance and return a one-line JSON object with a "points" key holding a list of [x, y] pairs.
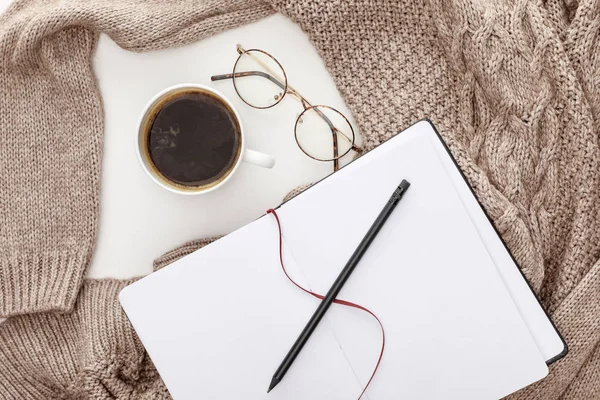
{"points": [[274, 383], [404, 184]]}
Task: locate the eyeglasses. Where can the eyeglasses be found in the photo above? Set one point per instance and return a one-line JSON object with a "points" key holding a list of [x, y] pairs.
{"points": [[322, 132]]}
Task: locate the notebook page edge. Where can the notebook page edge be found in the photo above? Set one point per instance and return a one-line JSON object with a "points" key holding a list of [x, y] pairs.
{"points": [[533, 313]]}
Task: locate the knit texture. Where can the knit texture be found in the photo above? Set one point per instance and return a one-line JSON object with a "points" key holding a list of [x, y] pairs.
{"points": [[181, 251], [512, 85], [51, 127], [78, 355]]}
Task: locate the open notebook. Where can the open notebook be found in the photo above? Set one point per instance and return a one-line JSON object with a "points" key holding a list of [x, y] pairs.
{"points": [[460, 320]]}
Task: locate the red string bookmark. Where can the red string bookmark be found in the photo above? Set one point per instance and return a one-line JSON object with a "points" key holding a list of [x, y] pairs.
{"points": [[337, 301]]}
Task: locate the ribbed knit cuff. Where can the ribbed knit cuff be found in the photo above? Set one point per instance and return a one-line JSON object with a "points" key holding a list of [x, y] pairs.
{"points": [[33, 283], [90, 353]]}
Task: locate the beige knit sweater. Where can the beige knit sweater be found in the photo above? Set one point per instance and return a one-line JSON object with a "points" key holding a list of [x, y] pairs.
{"points": [[512, 85]]}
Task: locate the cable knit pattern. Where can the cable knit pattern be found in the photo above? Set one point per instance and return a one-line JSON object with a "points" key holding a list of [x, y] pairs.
{"points": [[512, 85]]}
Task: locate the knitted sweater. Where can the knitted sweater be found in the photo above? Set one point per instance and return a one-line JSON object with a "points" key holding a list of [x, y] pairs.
{"points": [[512, 85]]}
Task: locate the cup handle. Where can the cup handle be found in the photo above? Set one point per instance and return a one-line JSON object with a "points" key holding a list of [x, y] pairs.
{"points": [[258, 158]]}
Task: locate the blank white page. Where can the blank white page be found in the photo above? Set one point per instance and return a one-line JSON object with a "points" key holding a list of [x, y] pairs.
{"points": [[545, 335], [453, 331], [218, 322]]}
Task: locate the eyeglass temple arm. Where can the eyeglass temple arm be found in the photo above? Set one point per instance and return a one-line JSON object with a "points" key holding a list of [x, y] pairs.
{"points": [[335, 130], [248, 73], [336, 153]]}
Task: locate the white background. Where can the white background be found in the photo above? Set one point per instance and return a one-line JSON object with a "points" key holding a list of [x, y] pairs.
{"points": [[139, 221]]}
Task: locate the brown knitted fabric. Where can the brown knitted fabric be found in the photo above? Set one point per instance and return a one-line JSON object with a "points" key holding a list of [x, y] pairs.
{"points": [[512, 85], [51, 126], [181, 251], [80, 355]]}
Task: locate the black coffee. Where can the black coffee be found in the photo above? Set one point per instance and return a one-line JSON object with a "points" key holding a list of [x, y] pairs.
{"points": [[194, 138]]}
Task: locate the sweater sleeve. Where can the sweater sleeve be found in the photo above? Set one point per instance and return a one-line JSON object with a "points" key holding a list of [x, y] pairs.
{"points": [[92, 352], [51, 127], [50, 150]]}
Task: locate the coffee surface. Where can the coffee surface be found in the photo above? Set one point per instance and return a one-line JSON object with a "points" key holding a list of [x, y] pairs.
{"points": [[194, 139]]}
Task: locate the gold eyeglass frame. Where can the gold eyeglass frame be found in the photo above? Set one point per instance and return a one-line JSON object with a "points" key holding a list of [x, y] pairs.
{"points": [[282, 82]]}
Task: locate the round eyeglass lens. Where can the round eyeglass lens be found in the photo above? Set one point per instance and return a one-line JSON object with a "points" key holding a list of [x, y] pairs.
{"points": [[320, 129], [259, 79]]}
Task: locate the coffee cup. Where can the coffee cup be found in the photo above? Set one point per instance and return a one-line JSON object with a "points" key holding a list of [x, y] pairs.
{"points": [[191, 140]]}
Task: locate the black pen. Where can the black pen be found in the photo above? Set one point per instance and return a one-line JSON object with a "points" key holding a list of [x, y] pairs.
{"points": [[338, 284]]}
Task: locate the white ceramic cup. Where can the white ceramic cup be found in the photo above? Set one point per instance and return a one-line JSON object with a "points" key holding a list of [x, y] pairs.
{"points": [[141, 144]]}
